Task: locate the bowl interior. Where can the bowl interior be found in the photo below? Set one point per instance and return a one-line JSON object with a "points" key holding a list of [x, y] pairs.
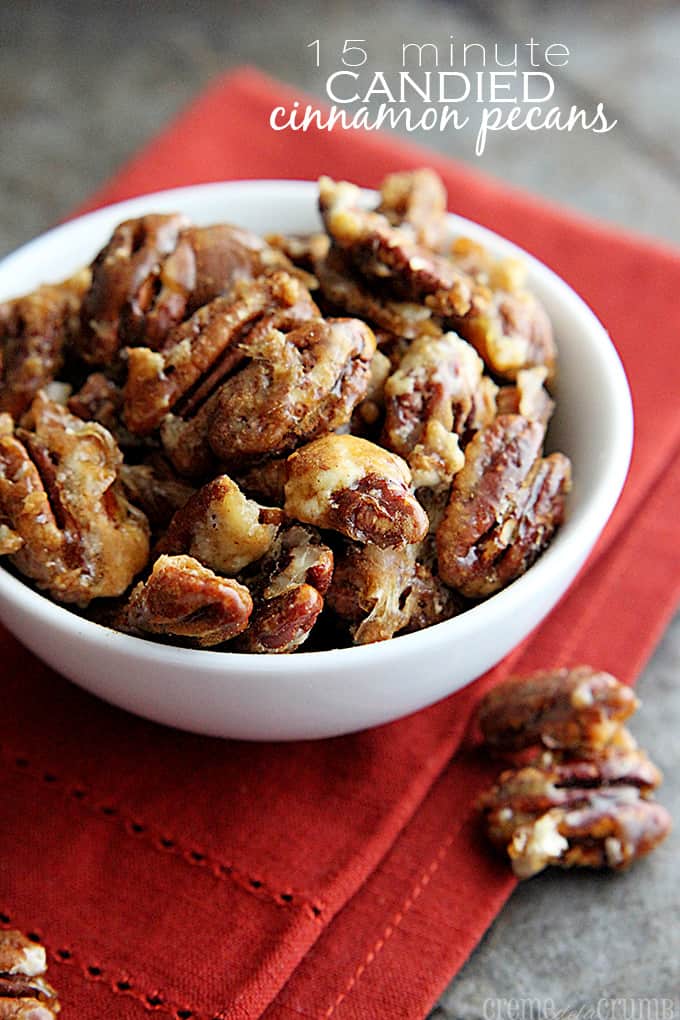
{"points": [[593, 422]]}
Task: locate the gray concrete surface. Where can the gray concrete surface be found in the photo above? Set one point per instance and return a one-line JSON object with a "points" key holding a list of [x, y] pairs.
{"points": [[83, 85]]}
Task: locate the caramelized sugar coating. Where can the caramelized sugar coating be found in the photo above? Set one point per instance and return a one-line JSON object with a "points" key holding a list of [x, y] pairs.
{"points": [[416, 200], [60, 492], [437, 394], [288, 587], [504, 507], [185, 599], [352, 486], [221, 528]]}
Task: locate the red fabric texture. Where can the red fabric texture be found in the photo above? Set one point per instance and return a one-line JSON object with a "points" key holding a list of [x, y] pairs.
{"points": [[344, 878]]}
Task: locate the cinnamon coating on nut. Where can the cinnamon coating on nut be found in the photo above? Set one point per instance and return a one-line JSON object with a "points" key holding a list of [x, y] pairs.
{"points": [[185, 599], [352, 486], [416, 199], [35, 331], [60, 492], [504, 507]]}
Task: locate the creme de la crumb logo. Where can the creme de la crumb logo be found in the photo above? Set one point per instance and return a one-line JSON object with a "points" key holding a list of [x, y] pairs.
{"points": [[459, 86], [652, 1008]]}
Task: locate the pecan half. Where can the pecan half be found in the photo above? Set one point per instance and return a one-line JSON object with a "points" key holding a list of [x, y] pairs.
{"points": [[35, 331], [60, 493], [288, 588], [157, 270], [185, 599], [221, 528], [558, 815], [416, 199], [382, 592], [563, 708], [352, 486], [299, 380], [389, 255], [199, 353], [435, 396], [24, 992], [504, 507]]}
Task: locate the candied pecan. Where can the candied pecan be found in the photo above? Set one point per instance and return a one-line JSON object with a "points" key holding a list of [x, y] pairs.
{"points": [[436, 394], [136, 288], [352, 486], [416, 199], [24, 992], [288, 588], [504, 507], [199, 353], [185, 599], [527, 397], [157, 270], [60, 492], [565, 815], [563, 708], [221, 528], [346, 294], [34, 332], [381, 592], [295, 386], [389, 256], [157, 492], [506, 274]]}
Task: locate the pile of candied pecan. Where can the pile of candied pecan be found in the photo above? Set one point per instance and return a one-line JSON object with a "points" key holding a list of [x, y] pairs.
{"points": [[208, 437], [579, 794], [24, 992]]}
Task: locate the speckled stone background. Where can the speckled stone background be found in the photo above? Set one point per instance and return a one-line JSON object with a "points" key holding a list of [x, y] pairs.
{"points": [[83, 85]]}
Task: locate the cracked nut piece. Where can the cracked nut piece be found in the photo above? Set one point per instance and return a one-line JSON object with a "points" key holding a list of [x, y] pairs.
{"points": [[563, 708], [185, 599], [200, 353], [34, 332], [389, 255], [436, 395], [382, 592], [505, 505], [60, 491], [221, 528], [416, 199], [24, 992], [352, 486], [288, 589], [566, 816]]}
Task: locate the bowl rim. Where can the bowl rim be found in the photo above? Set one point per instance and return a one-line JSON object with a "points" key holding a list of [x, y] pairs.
{"points": [[598, 503]]}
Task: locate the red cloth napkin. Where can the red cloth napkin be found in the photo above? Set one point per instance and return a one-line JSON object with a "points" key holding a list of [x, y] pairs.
{"points": [[344, 878]]}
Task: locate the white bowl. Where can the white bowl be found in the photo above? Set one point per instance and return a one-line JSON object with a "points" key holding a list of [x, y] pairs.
{"points": [[321, 694]]}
